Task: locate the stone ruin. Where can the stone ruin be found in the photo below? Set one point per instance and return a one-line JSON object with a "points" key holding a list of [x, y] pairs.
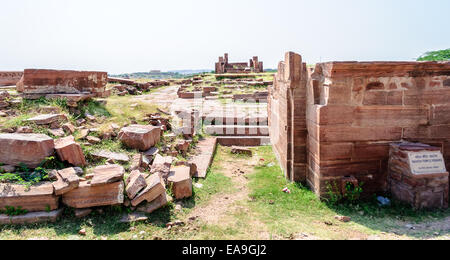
{"points": [[10, 78], [253, 66], [73, 85], [336, 123]]}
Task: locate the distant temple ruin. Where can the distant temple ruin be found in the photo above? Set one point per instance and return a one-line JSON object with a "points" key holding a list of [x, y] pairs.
{"points": [[254, 66]]}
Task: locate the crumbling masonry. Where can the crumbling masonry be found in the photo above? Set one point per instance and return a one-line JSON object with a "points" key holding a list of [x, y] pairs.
{"points": [[337, 122]]}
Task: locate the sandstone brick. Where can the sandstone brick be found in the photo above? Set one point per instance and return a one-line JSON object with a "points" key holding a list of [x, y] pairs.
{"points": [[155, 188], [107, 174], [135, 183], [156, 204], [140, 137], [87, 196], [32, 218], [181, 182], [37, 198], [47, 119], [30, 149], [68, 150]]}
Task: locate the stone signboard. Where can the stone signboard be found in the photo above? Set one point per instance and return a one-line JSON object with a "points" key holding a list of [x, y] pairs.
{"points": [[426, 162]]}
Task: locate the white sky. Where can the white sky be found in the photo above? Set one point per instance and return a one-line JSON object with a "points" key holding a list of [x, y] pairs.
{"points": [[138, 35]]}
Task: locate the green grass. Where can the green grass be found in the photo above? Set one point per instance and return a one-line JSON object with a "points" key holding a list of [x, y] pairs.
{"points": [[302, 211]]}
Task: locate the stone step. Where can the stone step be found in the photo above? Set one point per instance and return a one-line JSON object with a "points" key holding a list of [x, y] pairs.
{"points": [[243, 140], [237, 130], [235, 120]]}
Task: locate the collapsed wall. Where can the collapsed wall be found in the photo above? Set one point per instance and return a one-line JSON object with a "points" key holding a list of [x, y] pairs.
{"points": [[10, 78], [354, 111], [38, 82]]}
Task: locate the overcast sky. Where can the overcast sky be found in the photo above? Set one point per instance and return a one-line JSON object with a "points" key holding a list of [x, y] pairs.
{"points": [[142, 35]]}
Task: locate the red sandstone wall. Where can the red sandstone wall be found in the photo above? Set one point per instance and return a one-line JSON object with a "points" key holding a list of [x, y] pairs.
{"points": [[356, 110], [10, 78], [287, 117], [36, 81]]}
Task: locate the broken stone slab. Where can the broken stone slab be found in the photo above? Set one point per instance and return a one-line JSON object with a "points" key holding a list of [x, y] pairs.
{"points": [[161, 160], [191, 166], [135, 184], [118, 157], [68, 150], [81, 213], [155, 187], [68, 180], [36, 198], [29, 149], [180, 182], [69, 128], [107, 174], [88, 196], [59, 132], [160, 202], [31, 218], [47, 119], [136, 162], [140, 137], [204, 155], [151, 153], [241, 150], [93, 140], [133, 217]]}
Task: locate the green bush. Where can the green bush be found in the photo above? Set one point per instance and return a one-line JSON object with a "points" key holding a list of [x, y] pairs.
{"points": [[441, 55]]}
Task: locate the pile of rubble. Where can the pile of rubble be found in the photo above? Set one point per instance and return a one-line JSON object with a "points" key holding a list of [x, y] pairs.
{"points": [[131, 87]]}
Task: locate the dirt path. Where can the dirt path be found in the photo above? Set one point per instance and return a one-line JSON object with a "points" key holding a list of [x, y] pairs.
{"points": [[223, 204]]}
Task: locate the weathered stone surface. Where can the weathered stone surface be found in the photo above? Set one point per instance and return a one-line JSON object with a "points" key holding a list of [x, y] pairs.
{"points": [[119, 157], [37, 198], [93, 140], [30, 149], [155, 187], [59, 132], [36, 81], [204, 155], [31, 218], [47, 119], [180, 182], [67, 180], [150, 207], [135, 183], [107, 174], [140, 137], [88, 196], [136, 162], [68, 150], [69, 128]]}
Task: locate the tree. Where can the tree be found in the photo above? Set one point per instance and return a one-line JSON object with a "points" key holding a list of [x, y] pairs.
{"points": [[442, 55]]}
